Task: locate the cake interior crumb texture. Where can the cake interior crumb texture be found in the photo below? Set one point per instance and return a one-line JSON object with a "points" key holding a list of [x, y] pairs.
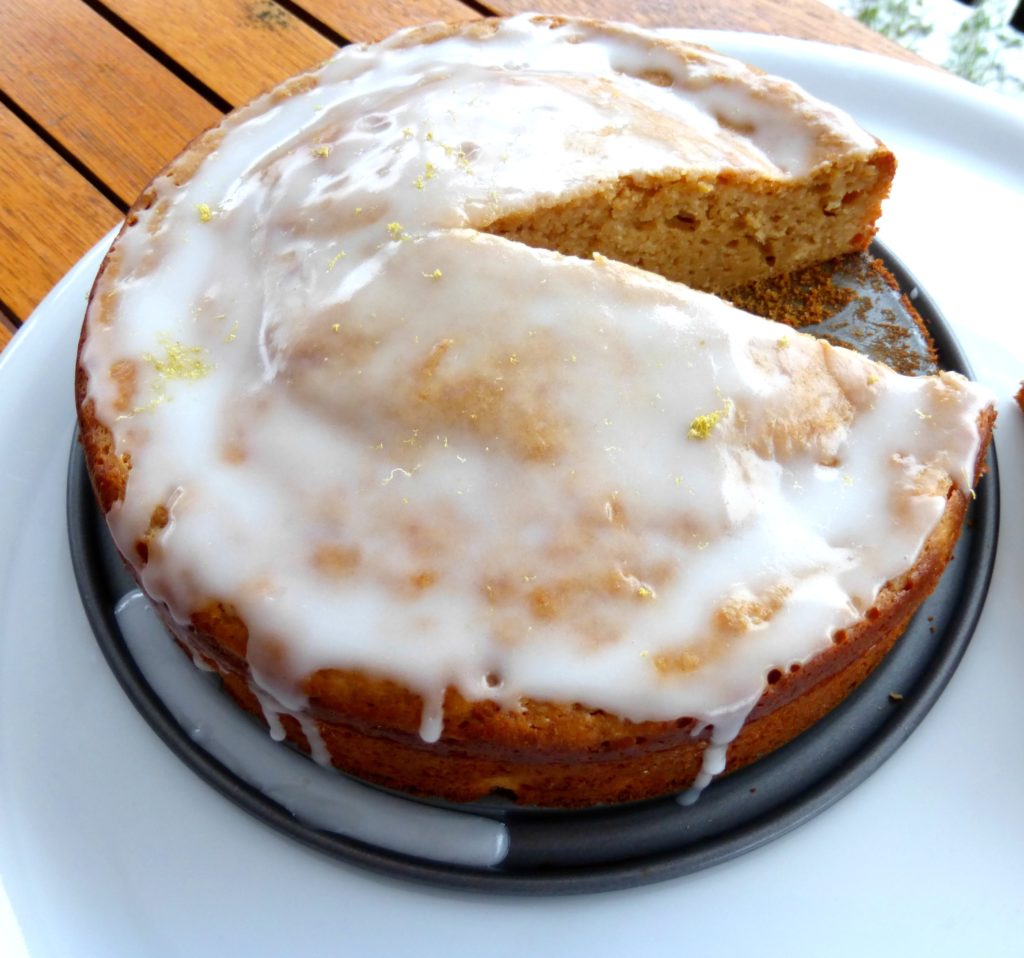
{"points": [[716, 233]]}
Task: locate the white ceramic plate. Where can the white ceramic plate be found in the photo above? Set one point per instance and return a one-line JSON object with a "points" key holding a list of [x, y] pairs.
{"points": [[110, 846]]}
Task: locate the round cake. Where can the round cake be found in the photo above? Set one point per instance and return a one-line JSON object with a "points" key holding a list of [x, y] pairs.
{"points": [[401, 415]]}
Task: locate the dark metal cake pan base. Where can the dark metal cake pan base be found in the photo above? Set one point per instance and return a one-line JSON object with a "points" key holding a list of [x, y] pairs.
{"points": [[616, 847]]}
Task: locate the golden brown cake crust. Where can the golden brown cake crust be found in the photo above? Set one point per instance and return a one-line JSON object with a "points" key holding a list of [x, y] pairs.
{"points": [[553, 754], [559, 755], [544, 753]]}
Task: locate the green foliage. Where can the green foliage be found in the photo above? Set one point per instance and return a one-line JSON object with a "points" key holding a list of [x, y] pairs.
{"points": [[974, 48], [905, 21]]}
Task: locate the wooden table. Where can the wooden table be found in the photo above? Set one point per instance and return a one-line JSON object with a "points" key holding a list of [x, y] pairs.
{"points": [[97, 95]]}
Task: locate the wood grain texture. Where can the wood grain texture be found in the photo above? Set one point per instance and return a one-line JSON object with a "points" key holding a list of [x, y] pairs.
{"points": [[6, 332], [99, 95], [803, 19], [122, 114], [238, 48], [366, 20], [49, 216]]}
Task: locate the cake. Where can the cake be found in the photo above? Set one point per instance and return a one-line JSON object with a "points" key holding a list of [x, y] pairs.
{"points": [[402, 416]]}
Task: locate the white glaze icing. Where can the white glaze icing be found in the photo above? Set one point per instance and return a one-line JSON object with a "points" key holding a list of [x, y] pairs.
{"points": [[715, 755], [313, 795], [436, 455]]}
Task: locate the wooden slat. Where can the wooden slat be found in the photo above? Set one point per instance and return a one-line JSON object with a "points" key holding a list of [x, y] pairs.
{"points": [[238, 48], [49, 216], [808, 21], [367, 21], [6, 332], [102, 98]]}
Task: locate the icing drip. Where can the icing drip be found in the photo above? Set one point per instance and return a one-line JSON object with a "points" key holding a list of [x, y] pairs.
{"points": [[317, 749], [432, 722], [437, 455], [727, 726], [321, 798], [272, 716], [199, 663]]}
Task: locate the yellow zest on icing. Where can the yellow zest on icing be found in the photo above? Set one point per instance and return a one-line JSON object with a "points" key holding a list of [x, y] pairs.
{"points": [[178, 360], [702, 426], [484, 508], [334, 260], [205, 213], [159, 398]]}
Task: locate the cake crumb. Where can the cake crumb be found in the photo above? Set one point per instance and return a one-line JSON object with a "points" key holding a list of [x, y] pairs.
{"points": [[801, 298]]}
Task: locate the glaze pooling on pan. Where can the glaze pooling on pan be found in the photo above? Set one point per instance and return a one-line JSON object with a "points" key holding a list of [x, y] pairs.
{"points": [[397, 444]]}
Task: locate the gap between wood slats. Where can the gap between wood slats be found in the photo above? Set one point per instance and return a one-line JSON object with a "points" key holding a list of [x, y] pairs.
{"points": [[49, 216], [368, 20], [478, 8], [7, 317], [233, 50], [8, 325], [311, 21], [167, 62], [65, 154], [118, 110], [237, 48]]}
